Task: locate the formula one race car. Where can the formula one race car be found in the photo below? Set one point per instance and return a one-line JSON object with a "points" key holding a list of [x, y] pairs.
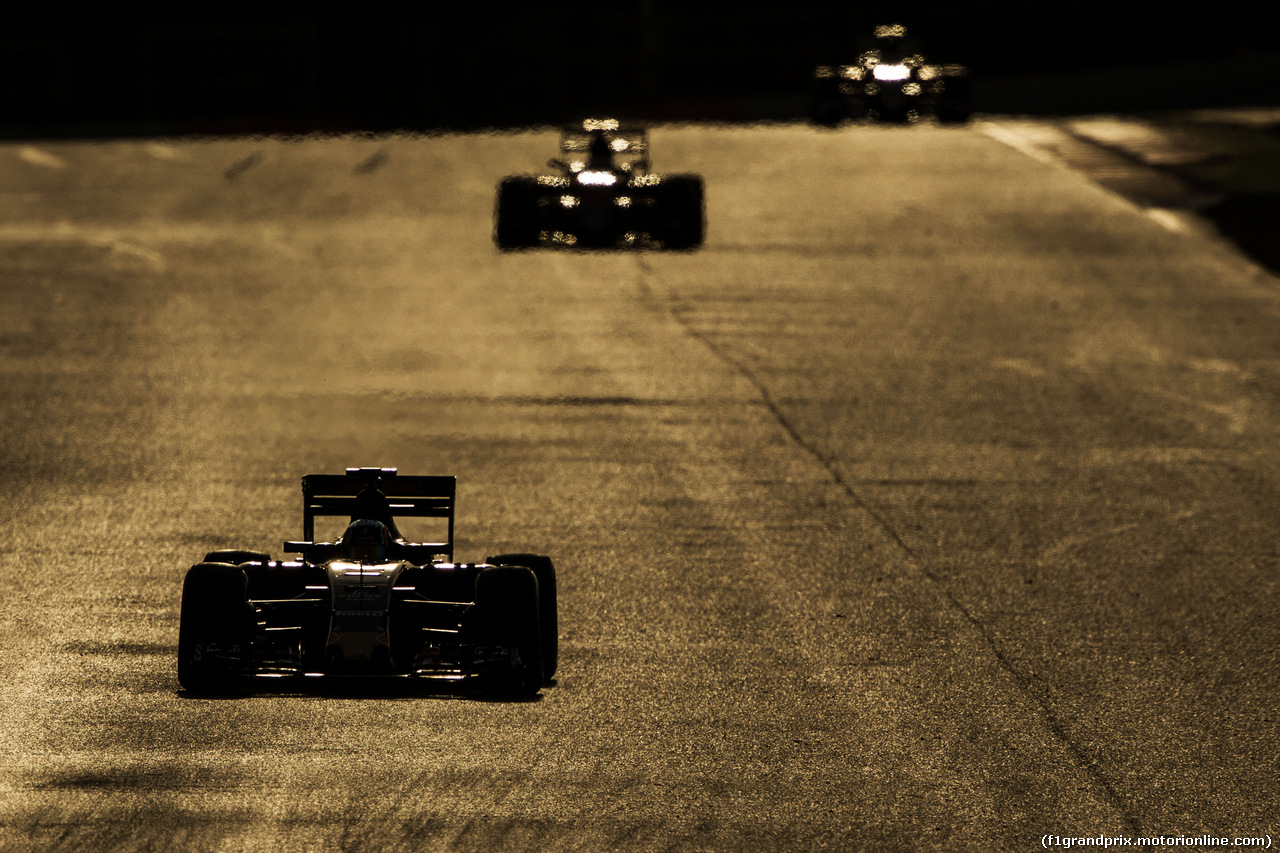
{"points": [[370, 603], [603, 197], [891, 82]]}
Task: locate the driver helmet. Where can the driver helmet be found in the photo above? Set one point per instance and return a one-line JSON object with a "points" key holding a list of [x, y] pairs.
{"points": [[600, 151], [365, 541]]}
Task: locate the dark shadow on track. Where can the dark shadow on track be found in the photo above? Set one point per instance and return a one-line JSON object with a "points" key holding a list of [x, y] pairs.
{"points": [[1252, 222], [363, 688]]}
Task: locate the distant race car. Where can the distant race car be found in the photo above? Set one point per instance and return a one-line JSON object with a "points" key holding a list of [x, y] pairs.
{"points": [[603, 197], [891, 82], [369, 604]]}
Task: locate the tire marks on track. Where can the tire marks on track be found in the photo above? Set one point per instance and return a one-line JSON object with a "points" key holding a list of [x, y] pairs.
{"points": [[1053, 725]]}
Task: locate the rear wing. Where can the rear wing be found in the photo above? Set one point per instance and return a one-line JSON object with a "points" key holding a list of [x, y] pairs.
{"points": [[630, 144], [409, 496]]}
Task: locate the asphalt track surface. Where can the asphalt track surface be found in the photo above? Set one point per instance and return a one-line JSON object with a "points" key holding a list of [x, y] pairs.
{"points": [[931, 506]]}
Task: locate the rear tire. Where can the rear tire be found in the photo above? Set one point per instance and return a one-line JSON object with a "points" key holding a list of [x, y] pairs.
{"points": [[215, 634], [956, 103], [827, 106], [548, 605], [237, 556], [516, 214], [507, 611]]}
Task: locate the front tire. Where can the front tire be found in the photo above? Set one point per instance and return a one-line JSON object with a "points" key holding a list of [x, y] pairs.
{"points": [[516, 214], [237, 556], [507, 611], [548, 606], [680, 204], [216, 628]]}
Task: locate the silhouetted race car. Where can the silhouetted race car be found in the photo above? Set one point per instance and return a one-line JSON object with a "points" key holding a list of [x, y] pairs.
{"points": [[603, 197], [891, 82], [370, 603]]}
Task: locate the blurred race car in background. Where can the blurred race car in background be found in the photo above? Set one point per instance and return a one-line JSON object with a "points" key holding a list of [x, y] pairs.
{"points": [[370, 604], [604, 196], [891, 82]]}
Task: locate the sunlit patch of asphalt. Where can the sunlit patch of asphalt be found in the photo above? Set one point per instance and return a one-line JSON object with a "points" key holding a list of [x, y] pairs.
{"points": [[1024, 683], [100, 238], [40, 157], [1168, 219], [161, 151], [1144, 141], [1152, 166], [1132, 159]]}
